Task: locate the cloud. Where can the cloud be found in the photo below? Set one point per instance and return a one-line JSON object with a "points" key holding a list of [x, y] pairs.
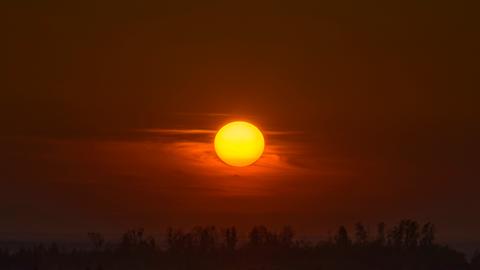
{"points": [[166, 131], [177, 131], [193, 149]]}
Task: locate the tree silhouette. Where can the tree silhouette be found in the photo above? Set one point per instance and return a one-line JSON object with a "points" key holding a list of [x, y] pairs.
{"points": [[177, 241], [231, 239], [427, 235], [342, 239], [475, 261], [134, 241], [258, 236], [96, 239], [397, 235], [380, 240], [205, 238], [411, 234], [202, 247], [286, 236], [361, 234]]}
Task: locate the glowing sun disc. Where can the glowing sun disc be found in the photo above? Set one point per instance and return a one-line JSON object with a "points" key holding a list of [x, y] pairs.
{"points": [[239, 143]]}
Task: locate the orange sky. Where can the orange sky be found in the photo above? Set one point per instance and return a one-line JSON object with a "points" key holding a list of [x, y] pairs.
{"points": [[108, 112]]}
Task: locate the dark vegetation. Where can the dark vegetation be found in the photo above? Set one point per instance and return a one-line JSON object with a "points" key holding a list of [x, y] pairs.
{"points": [[407, 245]]}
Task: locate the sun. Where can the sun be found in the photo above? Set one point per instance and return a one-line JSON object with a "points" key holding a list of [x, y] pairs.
{"points": [[239, 144]]}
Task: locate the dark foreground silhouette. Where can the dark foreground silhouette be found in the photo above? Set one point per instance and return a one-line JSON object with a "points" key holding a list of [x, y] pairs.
{"points": [[407, 245]]}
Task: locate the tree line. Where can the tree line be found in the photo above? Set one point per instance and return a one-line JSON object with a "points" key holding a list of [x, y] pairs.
{"points": [[406, 245]]}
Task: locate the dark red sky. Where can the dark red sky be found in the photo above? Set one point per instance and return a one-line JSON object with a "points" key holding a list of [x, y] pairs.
{"points": [[370, 111]]}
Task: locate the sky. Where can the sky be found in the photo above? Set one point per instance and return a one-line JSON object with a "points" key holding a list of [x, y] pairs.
{"points": [[108, 110]]}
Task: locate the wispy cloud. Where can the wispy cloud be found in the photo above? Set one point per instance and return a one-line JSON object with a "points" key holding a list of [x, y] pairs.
{"points": [[177, 131], [211, 114], [194, 148], [167, 131]]}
